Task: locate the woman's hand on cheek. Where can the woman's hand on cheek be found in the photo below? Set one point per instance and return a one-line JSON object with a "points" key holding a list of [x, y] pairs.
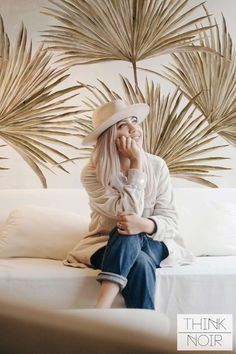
{"points": [[128, 148], [129, 223]]}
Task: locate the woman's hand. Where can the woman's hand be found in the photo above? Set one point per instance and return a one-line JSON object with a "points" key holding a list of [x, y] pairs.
{"points": [[129, 223], [128, 148]]}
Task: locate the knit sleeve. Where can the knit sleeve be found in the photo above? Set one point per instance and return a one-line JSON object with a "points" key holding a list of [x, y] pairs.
{"points": [[164, 214], [109, 201]]}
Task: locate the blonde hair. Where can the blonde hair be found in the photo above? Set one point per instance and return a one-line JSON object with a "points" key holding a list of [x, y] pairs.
{"points": [[106, 162]]}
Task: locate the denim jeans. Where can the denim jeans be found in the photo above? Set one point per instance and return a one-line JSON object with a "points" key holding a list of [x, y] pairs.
{"points": [[131, 262]]}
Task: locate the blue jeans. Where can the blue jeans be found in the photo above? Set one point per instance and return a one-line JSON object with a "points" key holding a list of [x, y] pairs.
{"points": [[131, 262]]}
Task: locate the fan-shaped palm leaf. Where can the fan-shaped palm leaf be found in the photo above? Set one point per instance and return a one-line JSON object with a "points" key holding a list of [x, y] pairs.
{"points": [[84, 121], [179, 137], [32, 111], [131, 30], [214, 77], [3, 158]]}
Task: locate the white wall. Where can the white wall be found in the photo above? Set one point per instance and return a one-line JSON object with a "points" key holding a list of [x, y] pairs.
{"points": [[28, 11]]}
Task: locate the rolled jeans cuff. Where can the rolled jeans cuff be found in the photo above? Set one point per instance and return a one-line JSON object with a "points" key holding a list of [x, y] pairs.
{"points": [[115, 278]]}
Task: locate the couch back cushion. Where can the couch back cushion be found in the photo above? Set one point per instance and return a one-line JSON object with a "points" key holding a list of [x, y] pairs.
{"points": [[207, 217], [41, 232], [207, 220], [71, 200]]}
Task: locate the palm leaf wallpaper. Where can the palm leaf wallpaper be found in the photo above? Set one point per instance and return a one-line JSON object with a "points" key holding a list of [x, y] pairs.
{"points": [[96, 30], [3, 158], [180, 138], [37, 117], [212, 76], [33, 114]]}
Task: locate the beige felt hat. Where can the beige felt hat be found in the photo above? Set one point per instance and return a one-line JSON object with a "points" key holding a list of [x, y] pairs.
{"points": [[112, 112]]}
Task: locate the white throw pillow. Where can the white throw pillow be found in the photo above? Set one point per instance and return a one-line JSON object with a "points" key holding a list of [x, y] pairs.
{"points": [[209, 227], [41, 232]]}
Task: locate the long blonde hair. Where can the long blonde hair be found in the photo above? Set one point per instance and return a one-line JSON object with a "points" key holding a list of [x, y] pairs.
{"points": [[106, 162]]}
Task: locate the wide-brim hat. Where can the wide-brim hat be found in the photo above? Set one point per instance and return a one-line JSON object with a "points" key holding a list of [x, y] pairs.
{"points": [[111, 113]]}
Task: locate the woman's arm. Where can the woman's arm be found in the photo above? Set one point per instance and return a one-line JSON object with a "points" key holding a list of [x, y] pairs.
{"points": [[110, 202], [164, 214], [131, 223], [163, 222]]}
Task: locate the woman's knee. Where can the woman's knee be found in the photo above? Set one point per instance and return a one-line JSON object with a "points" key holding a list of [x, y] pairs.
{"points": [[131, 239], [144, 262], [115, 233]]}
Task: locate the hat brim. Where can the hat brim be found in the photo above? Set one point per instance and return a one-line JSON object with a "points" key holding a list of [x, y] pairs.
{"points": [[139, 110]]}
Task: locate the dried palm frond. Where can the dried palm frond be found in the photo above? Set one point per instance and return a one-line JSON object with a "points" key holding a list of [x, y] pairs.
{"points": [[84, 121], [91, 31], [214, 77], [178, 137], [3, 158], [33, 114]]}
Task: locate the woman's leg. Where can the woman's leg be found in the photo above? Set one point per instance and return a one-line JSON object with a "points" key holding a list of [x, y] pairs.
{"points": [[141, 286], [157, 250], [133, 258], [119, 257], [108, 290], [107, 294], [140, 289]]}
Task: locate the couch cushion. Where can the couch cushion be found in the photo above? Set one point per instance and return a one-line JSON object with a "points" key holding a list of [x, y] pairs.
{"points": [[180, 289], [71, 200], [204, 287], [49, 283], [32, 231], [207, 220]]}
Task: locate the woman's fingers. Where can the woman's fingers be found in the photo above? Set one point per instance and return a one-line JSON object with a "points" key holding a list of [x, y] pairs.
{"points": [[121, 144], [118, 144], [124, 215], [121, 225], [121, 232], [128, 143], [128, 147], [124, 143], [122, 218], [121, 228]]}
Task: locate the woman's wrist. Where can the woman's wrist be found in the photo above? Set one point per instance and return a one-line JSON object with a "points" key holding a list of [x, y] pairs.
{"points": [[136, 164], [149, 226]]}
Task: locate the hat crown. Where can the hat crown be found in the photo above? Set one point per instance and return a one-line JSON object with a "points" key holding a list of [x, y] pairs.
{"points": [[111, 113], [102, 113]]}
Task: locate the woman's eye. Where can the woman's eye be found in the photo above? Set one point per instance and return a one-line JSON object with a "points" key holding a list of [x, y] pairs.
{"points": [[134, 121]]}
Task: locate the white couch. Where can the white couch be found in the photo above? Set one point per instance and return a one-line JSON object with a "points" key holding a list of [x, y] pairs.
{"points": [[206, 286]]}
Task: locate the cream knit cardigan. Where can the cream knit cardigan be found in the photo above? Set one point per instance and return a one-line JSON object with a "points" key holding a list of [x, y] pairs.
{"points": [[106, 204]]}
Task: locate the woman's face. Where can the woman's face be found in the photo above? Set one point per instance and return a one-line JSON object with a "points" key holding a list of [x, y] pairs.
{"points": [[129, 127]]}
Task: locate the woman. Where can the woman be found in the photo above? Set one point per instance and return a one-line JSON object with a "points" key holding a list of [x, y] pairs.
{"points": [[133, 227]]}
